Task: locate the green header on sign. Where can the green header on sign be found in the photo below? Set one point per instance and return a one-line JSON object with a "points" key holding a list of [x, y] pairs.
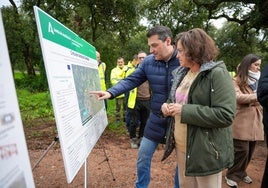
{"points": [[56, 32]]}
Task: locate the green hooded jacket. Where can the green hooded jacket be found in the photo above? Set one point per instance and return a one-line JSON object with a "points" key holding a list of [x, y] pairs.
{"points": [[208, 114]]}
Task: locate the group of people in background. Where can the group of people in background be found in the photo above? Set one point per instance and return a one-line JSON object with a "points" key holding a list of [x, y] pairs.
{"points": [[138, 105], [217, 118], [132, 107]]}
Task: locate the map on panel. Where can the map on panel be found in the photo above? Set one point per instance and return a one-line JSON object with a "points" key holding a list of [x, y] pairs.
{"points": [[86, 79]]}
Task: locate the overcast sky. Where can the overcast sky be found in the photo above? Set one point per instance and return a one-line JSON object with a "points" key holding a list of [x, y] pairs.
{"points": [[7, 3], [4, 3]]}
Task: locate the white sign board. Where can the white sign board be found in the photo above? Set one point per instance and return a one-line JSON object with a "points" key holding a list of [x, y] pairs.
{"points": [[15, 167], [72, 71]]}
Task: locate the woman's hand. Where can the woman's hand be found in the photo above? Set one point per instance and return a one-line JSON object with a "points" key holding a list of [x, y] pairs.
{"points": [[101, 95], [175, 109], [165, 110], [171, 109]]}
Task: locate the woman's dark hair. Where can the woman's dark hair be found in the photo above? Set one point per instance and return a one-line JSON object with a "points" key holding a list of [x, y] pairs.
{"points": [[198, 46], [243, 67]]}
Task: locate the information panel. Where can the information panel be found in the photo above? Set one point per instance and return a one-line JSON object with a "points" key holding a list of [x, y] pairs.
{"points": [[15, 167], [72, 71]]}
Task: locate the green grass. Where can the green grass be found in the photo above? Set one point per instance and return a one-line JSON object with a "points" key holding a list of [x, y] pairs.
{"points": [[18, 75], [37, 106], [34, 106], [112, 124]]}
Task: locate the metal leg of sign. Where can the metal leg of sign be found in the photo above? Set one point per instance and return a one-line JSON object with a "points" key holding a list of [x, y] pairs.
{"points": [[85, 173], [107, 160], [44, 154]]}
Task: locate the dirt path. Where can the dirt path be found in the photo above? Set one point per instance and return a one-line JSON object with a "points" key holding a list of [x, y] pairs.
{"points": [[50, 171]]}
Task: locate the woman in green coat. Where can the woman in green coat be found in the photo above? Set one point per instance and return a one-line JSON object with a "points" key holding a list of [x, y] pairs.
{"points": [[203, 105]]}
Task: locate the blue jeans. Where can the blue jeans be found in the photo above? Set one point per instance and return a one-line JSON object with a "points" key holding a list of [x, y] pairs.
{"points": [[176, 178], [145, 155]]}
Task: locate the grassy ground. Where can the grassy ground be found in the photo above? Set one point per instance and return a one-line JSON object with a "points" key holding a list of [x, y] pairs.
{"points": [[37, 107]]}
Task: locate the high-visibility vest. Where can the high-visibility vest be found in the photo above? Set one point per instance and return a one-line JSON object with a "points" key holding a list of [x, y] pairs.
{"points": [[232, 73], [132, 98], [102, 68], [133, 93], [117, 74]]}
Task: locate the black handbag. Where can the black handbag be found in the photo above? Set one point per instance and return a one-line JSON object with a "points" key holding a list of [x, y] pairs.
{"points": [[170, 140]]}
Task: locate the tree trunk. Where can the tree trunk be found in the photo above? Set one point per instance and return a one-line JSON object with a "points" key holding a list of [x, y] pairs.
{"points": [[28, 61]]}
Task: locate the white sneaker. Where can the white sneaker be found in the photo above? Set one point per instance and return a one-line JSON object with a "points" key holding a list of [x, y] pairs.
{"points": [[231, 183], [247, 180], [133, 143]]}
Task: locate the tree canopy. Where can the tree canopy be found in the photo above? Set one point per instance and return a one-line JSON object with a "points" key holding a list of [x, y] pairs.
{"points": [[118, 27], [248, 13]]}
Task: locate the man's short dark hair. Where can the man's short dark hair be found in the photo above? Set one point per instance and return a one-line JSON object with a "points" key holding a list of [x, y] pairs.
{"points": [[141, 51], [162, 31]]}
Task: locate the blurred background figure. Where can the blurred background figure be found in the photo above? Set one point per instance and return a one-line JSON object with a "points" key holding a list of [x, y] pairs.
{"points": [[130, 68], [102, 69], [138, 107], [247, 126], [262, 93], [232, 73], [117, 74]]}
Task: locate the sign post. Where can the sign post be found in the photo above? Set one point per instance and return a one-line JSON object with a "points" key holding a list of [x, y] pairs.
{"points": [[72, 71], [15, 167]]}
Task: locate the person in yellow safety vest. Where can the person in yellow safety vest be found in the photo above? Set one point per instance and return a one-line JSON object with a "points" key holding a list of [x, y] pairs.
{"points": [[102, 69], [131, 66], [129, 69], [138, 107], [232, 73], [117, 74]]}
